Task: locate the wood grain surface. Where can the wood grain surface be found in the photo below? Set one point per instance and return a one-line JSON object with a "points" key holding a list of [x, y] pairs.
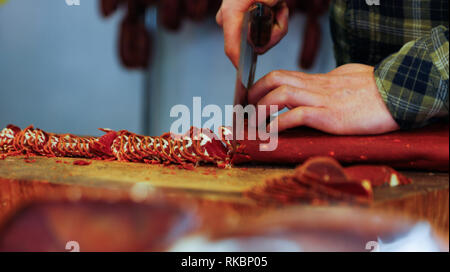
{"points": [[426, 199]]}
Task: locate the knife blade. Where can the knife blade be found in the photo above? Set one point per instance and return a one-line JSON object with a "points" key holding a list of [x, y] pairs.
{"points": [[256, 32]]}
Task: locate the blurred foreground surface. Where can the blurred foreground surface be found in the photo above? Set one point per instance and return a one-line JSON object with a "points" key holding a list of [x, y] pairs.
{"points": [[111, 206]]}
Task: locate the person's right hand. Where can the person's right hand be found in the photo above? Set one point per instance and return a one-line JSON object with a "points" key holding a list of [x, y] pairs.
{"points": [[231, 15]]}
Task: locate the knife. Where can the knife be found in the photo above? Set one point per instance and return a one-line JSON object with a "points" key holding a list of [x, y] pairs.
{"points": [[256, 32]]}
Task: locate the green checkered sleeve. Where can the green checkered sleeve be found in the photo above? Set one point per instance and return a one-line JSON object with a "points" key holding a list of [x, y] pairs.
{"points": [[414, 81]]}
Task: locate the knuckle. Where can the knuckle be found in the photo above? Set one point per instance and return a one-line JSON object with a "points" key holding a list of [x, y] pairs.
{"points": [[219, 18], [281, 94], [275, 76], [284, 90], [229, 50], [299, 115], [305, 114]]}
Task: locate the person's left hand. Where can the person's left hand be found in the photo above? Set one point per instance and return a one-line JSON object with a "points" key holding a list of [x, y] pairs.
{"points": [[343, 101]]}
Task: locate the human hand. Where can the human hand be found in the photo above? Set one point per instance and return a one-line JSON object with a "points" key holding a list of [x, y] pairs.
{"points": [[343, 101], [231, 15]]}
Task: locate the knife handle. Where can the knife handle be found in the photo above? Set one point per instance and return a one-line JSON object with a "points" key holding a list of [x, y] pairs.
{"points": [[261, 23]]}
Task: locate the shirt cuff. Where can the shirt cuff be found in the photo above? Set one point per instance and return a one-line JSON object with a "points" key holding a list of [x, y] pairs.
{"points": [[414, 81]]}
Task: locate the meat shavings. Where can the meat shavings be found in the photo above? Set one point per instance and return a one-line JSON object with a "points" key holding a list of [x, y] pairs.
{"points": [[197, 146], [377, 175], [323, 180], [81, 162], [29, 160]]}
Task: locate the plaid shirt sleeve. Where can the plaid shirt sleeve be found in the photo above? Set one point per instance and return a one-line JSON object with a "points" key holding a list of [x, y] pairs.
{"points": [[413, 82]]}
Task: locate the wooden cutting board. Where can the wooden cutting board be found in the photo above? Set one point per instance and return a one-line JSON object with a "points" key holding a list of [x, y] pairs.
{"points": [[427, 198]]}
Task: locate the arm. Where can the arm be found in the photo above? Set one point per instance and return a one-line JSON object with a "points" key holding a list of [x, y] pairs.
{"points": [[407, 89], [414, 81], [344, 101]]}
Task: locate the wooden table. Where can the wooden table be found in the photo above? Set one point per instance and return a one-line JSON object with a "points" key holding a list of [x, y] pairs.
{"points": [[426, 199]]}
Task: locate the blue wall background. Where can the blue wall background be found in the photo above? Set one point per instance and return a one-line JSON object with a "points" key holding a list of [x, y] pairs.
{"points": [[59, 68]]}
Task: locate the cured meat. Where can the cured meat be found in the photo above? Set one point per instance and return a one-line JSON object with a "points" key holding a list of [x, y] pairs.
{"points": [[195, 147], [377, 175], [38, 142], [319, 180], [108, 7], [170, 14], [7, 136], [311, 42], [312, 32], [425, 148], [135, 43], [322, 179], [81, 163], [214, 6], [196, 10]]}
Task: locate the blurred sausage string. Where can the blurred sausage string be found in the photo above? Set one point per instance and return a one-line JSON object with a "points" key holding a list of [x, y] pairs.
{"points": [[135, 40]]}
